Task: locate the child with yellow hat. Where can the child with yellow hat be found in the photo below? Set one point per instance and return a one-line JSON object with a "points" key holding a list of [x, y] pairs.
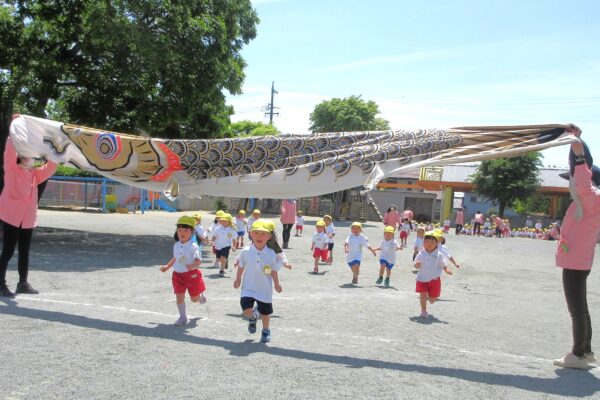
{"points": [[255, 215], [185, 262], [319, 245], [241, 224], [387, 258], [257, 275], [353, 248], [224, 238], [330, 232]]}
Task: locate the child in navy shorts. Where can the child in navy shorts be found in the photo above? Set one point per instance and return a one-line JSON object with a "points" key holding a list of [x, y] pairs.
{"points": [[353, 248], [387, 257], [257, 274], [185, 263]]}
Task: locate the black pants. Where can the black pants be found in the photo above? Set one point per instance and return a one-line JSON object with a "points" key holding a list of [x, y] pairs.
{"points": [[477, 228], [12, 236], [287, 230], [458, 229], [498, 232], [575, 288]]}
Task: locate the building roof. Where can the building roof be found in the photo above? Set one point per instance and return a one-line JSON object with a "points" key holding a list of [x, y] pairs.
{"points": [[549, 177]]}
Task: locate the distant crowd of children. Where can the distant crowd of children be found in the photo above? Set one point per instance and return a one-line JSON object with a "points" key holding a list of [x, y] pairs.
{"points": [[260, 260]]}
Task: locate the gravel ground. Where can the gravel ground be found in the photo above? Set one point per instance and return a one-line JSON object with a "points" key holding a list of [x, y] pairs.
{"points": [[101, 327]]}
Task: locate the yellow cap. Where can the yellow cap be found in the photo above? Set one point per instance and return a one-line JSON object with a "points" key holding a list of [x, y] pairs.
{"points": [[187, 220], [327, 216], [256, 211], [438, 233], [388, 229], [242, 212], [219, 213], [320, 223], [260, 225], [226, 217], [357, 224], [197, 216]]}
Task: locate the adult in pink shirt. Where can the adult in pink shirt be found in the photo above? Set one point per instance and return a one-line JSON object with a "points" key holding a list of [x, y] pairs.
{"points": [[575, 250], [392, 217], [459, 221], [288, 218], [18, 212]]}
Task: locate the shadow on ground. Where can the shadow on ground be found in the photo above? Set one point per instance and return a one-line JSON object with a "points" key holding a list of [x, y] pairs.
{"points": [[58, 250], [575, 383]]}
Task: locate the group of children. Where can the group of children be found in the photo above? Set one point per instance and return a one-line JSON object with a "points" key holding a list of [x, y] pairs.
{"points": [[259, 262]]}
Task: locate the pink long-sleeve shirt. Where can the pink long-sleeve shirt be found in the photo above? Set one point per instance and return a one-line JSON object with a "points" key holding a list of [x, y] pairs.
{"points": [[392, 218], [19, 198], [288, 212], [577, 241]]}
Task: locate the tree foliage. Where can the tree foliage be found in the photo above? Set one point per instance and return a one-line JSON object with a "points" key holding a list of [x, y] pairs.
{"points": [[348, 114], [126, 65], [251, 128], [506, 180]]}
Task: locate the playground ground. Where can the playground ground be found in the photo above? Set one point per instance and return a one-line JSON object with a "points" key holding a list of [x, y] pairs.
{"points": [[101, 326]]}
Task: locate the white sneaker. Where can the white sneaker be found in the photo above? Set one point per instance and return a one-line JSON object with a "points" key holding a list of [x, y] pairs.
{"points": [[572, 361], [590, 357]]}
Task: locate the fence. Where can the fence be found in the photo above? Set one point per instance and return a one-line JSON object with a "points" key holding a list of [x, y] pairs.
{"points": [[102, 193]]}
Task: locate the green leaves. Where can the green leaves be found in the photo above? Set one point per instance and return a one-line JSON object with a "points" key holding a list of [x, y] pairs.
{"points": [[506, 180], [127, 65], [349, 114]]}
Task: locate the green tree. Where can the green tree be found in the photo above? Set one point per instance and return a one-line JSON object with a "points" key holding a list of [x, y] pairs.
{"points": [[125, 65], [535, 204], [350, 114], [506, 180], [251, 128]]}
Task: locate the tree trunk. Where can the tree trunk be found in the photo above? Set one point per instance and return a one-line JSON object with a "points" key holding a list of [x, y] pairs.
{"points": [[501, 208]]}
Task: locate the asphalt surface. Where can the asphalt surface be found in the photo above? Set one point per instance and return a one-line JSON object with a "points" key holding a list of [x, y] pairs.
{"points": [[101, 327]]}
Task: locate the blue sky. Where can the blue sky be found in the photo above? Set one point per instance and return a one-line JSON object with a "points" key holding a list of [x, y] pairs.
{"points": [[430, 64]]}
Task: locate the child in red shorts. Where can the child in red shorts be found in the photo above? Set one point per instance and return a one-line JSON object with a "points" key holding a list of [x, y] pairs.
{"points": [[430, 264], [319, 245], [185, 262]]}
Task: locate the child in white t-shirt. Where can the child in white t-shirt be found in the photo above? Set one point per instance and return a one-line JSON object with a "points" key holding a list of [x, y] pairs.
{"points": [[387, 258], [224, 237], [257, 274], [330, 232], [319, 245], [418, 246], [255, 215], [199, 231], [430, 263], [299, 223], [353, 248], [185, 262], [404, 232], [240, 226], [446, 225]]}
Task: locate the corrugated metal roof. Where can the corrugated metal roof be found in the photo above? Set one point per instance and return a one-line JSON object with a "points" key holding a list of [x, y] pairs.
{"points": [[549, 177]]}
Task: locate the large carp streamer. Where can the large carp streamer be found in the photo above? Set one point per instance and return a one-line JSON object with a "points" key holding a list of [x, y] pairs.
{"points": [[284, 166]]}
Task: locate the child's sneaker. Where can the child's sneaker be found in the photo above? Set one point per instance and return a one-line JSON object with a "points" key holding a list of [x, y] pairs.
{"points": [[202, 299], [355, 280], [181, 321], [222, 272], [379, 280], [265, 337], [590, 357], [252, 325], [424, 314], [387, 282], [570, 360]]}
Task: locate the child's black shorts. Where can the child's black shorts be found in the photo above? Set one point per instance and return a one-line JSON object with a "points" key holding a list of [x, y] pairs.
{"points": [[263, 308], [330, 246], [224, 252]]}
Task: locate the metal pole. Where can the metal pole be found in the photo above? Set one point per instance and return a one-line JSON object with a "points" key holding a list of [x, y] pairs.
{"points": [[104, 195]]}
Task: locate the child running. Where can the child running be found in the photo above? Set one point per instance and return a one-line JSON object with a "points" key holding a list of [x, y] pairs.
{"points": [[418, 241], [404, 232], [211, 230], [255, 215], [240, 226], [430, 263], [257, 274], [299, 223], [387, 257], [199, 231], [185, 262], [319, 245], [330, 232], [443, 249], [224, 238], [353, 247]]}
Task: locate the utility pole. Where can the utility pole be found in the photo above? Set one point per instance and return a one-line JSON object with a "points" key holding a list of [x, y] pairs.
{"points": [[270, 106]]}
